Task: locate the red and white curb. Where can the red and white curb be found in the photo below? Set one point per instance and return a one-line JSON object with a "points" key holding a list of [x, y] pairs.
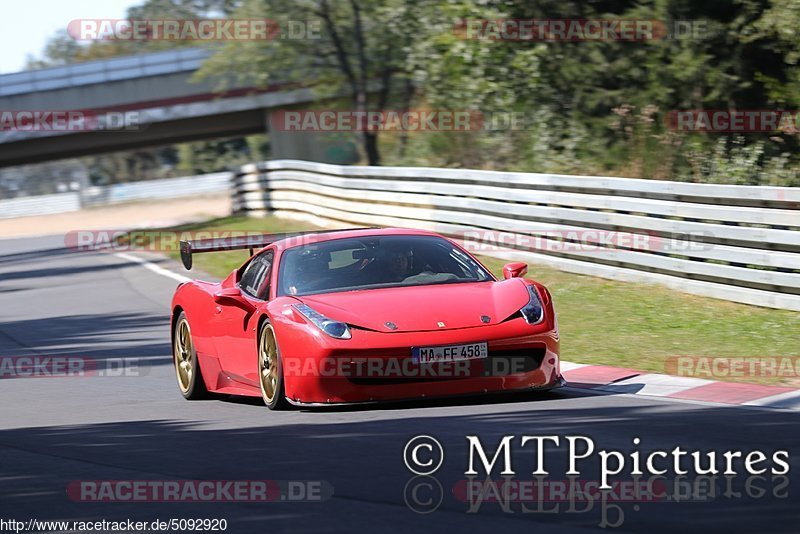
{"points": [[607, 379]]}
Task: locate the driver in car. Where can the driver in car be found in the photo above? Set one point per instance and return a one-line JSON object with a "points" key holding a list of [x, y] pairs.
{"points": [[398, 264]]}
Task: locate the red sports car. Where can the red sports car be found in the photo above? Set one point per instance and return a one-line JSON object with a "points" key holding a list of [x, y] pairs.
{"points": [[361, 315]]}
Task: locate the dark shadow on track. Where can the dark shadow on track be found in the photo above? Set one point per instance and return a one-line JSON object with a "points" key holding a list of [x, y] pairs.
{"points": [[33, 255], [58, 273], [94, 336], [363, 461]]}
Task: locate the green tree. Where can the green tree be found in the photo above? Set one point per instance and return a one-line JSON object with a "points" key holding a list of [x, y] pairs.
{"points": [[355, 48]]}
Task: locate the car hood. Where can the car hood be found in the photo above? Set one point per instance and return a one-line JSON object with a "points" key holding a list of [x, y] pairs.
{"points": [[424, 308]]}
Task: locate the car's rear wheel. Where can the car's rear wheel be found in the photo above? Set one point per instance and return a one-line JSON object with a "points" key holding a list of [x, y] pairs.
{"points": [[184, 357], [270, 369]]}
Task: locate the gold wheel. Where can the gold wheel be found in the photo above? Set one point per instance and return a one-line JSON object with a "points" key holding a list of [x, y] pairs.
{"points": [[268, 370], [187, 364], [183, 354]]}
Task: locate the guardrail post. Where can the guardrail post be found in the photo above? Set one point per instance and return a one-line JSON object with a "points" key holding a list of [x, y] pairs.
{"points": [[250, 191]]}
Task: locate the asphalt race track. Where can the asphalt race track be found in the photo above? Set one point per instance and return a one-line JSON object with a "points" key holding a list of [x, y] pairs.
{"points": [[56, 431]]}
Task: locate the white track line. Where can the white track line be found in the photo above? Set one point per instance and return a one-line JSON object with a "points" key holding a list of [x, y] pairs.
{"points": [[569, 366], [153, 267], [789, 399], [655, 385]]}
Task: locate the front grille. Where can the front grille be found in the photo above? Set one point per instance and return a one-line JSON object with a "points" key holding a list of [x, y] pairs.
{"points": [[508, 362]]}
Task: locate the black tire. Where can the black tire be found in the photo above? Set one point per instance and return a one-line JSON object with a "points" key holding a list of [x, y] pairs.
{"points": [[270, 369], [184, 359]]}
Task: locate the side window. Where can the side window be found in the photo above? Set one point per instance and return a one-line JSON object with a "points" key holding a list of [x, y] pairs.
{"points": [[255, 279], [263, 283]]}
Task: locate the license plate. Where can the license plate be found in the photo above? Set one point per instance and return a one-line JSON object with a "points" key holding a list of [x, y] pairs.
{"points": [[449, 353]]}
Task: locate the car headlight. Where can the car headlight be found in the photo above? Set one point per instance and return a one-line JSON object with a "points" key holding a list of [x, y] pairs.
{"points": [[533, 311], [336, 329]]}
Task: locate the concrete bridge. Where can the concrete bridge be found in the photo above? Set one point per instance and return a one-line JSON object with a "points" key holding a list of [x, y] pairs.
{"points": [[168, 106]]}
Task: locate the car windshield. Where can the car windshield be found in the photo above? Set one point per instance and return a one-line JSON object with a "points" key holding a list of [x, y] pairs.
{"points": [[375, 262]]}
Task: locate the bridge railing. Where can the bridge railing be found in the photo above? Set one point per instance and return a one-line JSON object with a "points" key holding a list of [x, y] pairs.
{"points": [[738, 243]]}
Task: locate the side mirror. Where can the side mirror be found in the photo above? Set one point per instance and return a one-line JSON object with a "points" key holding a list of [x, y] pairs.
{"points": [[232, 296], [229, 295], [516, 269]]}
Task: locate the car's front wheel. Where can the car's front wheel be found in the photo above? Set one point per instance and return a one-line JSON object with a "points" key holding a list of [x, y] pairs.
{"points": [[270, 369], [184, 357]]}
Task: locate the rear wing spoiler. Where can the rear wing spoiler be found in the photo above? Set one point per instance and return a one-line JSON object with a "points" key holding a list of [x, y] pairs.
{"points": [[250, 242]]}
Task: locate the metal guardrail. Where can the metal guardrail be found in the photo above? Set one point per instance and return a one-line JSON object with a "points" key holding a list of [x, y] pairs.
{"points": [[113, 194], [738, 243], [40, 205], [157, 189]]}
